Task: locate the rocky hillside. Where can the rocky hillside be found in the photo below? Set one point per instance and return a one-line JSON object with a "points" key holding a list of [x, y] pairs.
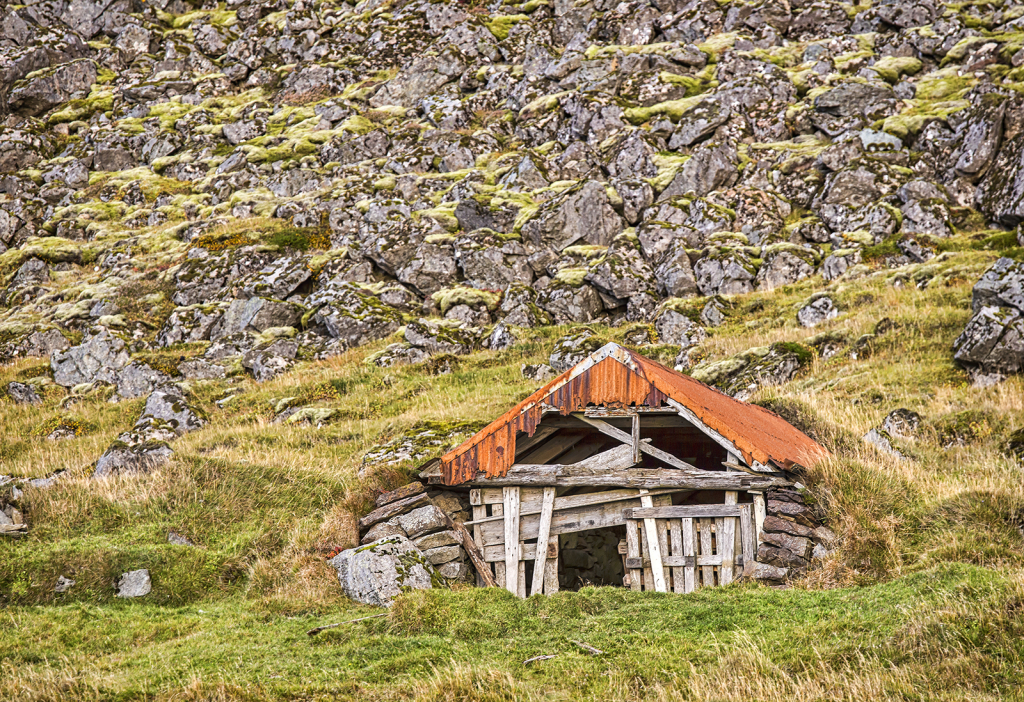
{"points": [[258, 259]]}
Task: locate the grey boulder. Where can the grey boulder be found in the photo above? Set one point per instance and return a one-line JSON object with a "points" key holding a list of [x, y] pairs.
{"points": [[134, 583], [99, 358], [375, 574]]}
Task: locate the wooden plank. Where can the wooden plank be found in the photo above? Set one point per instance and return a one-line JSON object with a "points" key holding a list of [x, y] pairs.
{"points": [[531, 507], [706, 549], [633, 551], [636, 439], [645, 550], [727, 541], [606, 428], [566, 521], [543, 534], [539, 435], [592, 445], [499, 564], [552, 448], [675, 536], [646, 478], [476, 497], [683, 561], [393, 510], [474, 552], [521, 586], [689, 551], [479, 511], [759, 516], [511, 523], [661, 528], [673, 511], [551, 567], [747, 540], [401, 493]]}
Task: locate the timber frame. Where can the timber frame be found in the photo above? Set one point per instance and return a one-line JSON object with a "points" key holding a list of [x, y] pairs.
{"points": [[631, 446]]}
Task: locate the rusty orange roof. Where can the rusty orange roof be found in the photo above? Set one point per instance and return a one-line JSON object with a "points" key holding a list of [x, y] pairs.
{"points": [[614, 375]]}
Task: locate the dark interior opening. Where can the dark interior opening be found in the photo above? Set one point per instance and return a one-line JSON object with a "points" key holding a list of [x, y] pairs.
{"points": [[590, 557]]}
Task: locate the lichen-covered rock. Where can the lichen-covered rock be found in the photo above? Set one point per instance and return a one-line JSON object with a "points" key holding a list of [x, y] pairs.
{"points": [[679, 330], [352, 314], [573, 348], [166, 416], [582, 214], [375, 574], [134, 583], [449, 336], [820, 309], [23, 394], [992, 344], [741, 375], [100, 357]]}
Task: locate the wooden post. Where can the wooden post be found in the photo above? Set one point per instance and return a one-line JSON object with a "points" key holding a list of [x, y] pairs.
{"points": [[551, 567], [636, 439], [479, 512], [675, 529], [547, 506], [747, 540], [690, 550], [521, 583], [706, 549], [654, 545], [510, 501], [759, 515], [633, 551], [727, 542], [498, 510]]}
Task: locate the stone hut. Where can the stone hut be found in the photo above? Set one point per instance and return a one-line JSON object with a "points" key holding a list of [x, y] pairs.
{"points": [[621, 471]]}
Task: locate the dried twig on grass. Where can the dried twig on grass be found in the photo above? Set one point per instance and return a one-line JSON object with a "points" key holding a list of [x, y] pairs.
{"points": [[589, 649], [317, 630], [539, 658]]}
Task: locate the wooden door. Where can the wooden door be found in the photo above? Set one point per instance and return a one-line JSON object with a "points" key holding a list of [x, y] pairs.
{"points": [[697, 546]]}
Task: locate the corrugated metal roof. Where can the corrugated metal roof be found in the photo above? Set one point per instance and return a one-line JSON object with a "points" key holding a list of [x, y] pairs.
{"points": [[614, 375]]}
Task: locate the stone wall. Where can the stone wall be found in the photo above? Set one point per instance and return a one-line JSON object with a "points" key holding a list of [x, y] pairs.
{"points": [[791, 537]]}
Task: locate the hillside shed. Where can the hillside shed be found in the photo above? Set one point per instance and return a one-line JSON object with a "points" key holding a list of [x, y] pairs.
{"points": [[621, 471]]}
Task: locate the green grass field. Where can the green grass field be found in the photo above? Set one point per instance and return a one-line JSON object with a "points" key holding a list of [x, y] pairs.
{"points": [[923, 600]]}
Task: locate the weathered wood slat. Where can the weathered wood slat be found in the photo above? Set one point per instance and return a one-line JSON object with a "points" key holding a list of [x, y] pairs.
{"points": [[496, 496], [727, 542], [674, 511], [471, 548], [531, 507], [499, 564], [760, 514], [393, 510], [707, 573], [552, 448], [401, 493], [551, 567], [653, 546], [540, 435], [495, 553], [511, 524], [633, 551], [566, 521], [689, 551], [479, 512], [675, 534], [606, 428], [543, 534], [647, 478], [747, 540], [684, 561], [636, 439]]}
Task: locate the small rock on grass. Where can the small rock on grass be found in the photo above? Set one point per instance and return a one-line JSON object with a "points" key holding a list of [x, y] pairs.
{"points": [[134, 583]]}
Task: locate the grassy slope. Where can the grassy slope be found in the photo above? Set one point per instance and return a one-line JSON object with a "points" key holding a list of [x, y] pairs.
{"points": [[268, 501]]}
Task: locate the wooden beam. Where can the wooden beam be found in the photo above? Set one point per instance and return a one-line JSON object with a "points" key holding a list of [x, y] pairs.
{"points": [[592, 445], [706, 549], [653, 543], [684, 561], [472, 549], [727, 541], [606, 428], [722, 441], [552, 448], [499, 564], [747, 540], [633, 551], [551, 567], [540, 434], [636, 439], [689, 551], [598, 516], [759, 516], [648, 478], [528, 508], [543, 535], [511, 506], [674, 511]]}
